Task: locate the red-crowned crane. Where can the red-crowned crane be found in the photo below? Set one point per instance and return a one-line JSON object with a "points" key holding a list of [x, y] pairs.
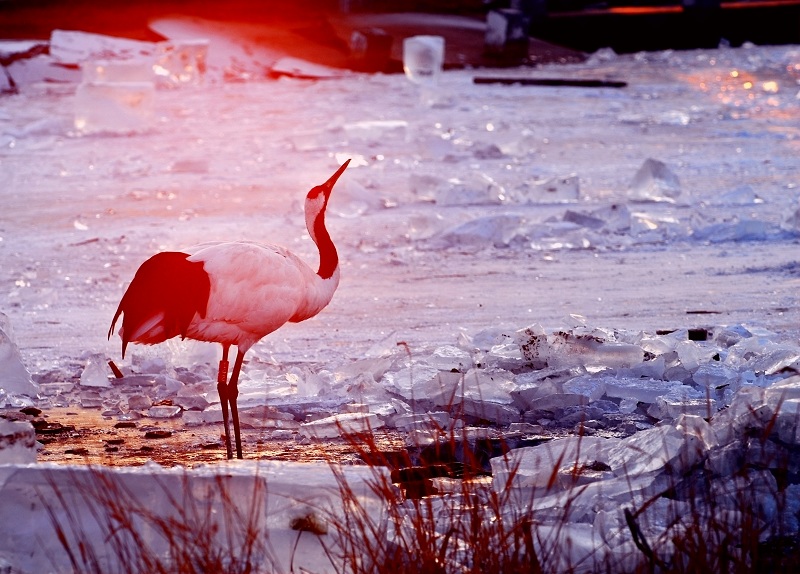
{"points": [[232, 293]]}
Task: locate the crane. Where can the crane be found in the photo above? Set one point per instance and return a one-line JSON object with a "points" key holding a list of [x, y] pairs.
{"points": [[232, 293]]}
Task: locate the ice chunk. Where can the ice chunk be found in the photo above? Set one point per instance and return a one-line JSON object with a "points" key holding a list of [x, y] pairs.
{"points": [[181, 63], [692, 354], [139, 402], [268, 417], [616, 217], [713, 375], [74, 47], [487, 231], [163, 411], [134, 70], [640, 390], [376, 132], [448, 358], [775, 359], [17, 442], [42, 68], [555, 402], [742, 195], [682, 401], [480, 385], [191, 401], [536, 466], [422, 421], [114, 107], [572, 547], [592, 387], [356, 200], [55, 389], [423, 57], [784, 396], [583, 219], [565, 189], [91, 399], [654, 182], [14, 376], [738, 230], [417, 381], [95, 373], [473, 189], [571, 348], [341, 424], [659, 448]]}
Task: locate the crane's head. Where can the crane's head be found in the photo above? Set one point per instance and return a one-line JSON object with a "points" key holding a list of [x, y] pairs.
{"points": [[317, 198]]}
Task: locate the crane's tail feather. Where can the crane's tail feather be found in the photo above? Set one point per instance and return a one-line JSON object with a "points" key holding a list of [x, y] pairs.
{"points": [[162, 299]]}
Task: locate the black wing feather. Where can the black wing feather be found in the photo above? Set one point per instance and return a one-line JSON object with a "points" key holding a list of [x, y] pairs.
{"points": [[167, 284]]}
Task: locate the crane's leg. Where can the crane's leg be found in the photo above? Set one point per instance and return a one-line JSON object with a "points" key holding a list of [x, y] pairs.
{"points": [[233, 393], [222, 389]]}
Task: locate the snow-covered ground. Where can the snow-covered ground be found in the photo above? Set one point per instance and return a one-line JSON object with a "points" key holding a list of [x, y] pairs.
{"points": [[469, 213]]}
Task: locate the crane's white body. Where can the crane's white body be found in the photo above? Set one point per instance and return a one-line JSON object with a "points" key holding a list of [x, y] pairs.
{"points": [[256, 288]]}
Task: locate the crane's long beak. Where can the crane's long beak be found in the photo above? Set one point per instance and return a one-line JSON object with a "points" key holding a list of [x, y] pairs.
{"points": [[328, 185]]}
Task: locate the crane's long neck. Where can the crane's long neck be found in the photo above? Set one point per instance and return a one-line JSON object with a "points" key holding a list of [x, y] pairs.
{"points": [[328, 257], [319, 292], [315, 222]]}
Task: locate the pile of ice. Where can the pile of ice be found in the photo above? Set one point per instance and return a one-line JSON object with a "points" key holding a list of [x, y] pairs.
{"points": [[573, 378], [733, 475]]}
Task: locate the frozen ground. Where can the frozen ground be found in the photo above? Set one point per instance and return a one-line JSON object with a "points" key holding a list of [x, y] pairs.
{"points": [[234, 160], [469, 212]]}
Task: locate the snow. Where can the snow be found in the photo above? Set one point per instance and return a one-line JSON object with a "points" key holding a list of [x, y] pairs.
{"points": [[511, 255], [41, 499]]}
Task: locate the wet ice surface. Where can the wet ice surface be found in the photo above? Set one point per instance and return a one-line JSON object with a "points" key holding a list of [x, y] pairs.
{"points": [[533, 258]]}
